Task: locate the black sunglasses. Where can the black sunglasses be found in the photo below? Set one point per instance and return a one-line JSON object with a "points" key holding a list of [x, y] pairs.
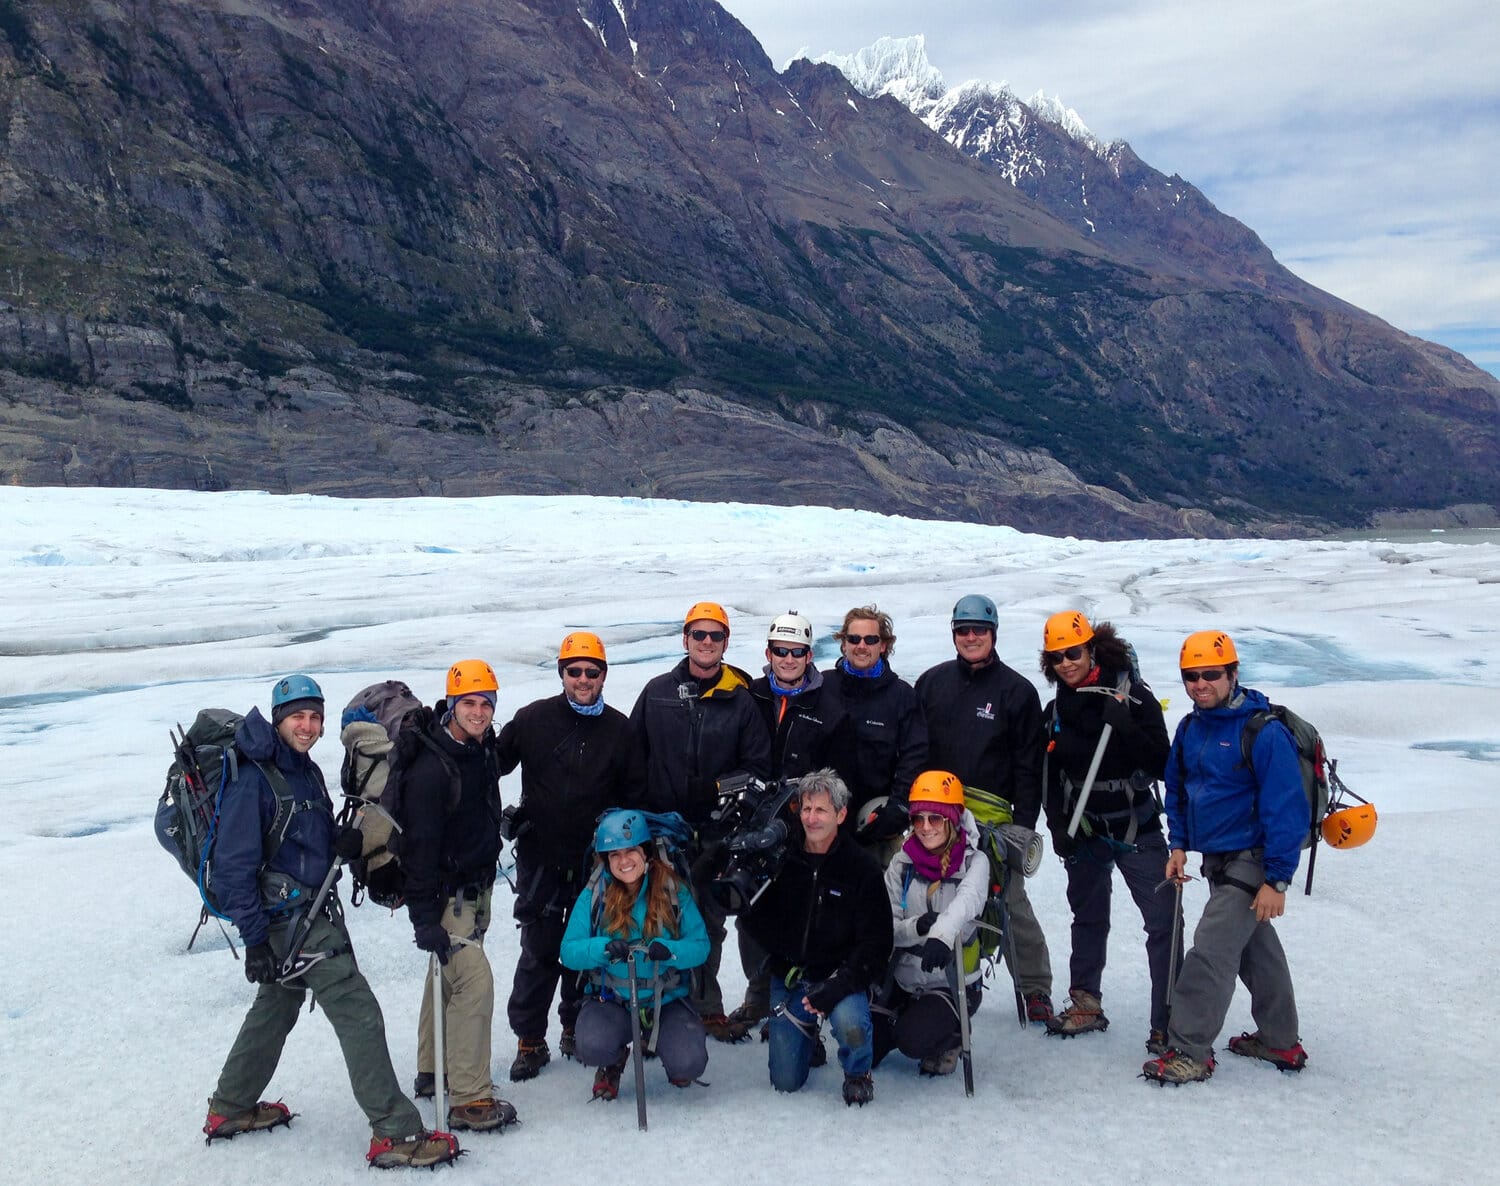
{"points": [[1072, 655], [966, 630], [708, 635], [868, 639], [790, 652], [1213, 675], [583, 672]]}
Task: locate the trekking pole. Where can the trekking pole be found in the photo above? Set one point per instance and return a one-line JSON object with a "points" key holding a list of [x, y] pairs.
{"points": [[1010, 964], [636, 1056], [439, 1053], [961, 1005], [1088, 782], [1175, 947]]}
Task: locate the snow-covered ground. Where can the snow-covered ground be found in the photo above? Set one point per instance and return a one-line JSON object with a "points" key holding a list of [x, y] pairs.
{"points": [[125, 611]]}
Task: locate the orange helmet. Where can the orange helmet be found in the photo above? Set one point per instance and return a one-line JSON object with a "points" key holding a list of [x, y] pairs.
{"points": [[1064, 630], [469, 676], [1207, 648], [937, 786], [1349, 827], [582, 645], [709, 610]]}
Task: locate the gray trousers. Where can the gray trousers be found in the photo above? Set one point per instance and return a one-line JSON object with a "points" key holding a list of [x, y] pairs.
{"points": [[1229, 943], [340, 989], [603, 1035], [1033, 968]]}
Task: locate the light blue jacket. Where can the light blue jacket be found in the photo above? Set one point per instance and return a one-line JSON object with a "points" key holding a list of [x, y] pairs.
{"points": [[583, 948], [1225, 806]]}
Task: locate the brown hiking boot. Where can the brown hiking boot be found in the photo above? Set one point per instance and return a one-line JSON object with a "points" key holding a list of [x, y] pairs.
{"points": [[567, 1044], [424, 1086], [607, 1081], [1156, 1042], [1177, 1068], [422, 1151], [1293, 1058], [481, 1115], [531, 1056], [1083, 1015], [263, 1117], [940, 1064], [1039, 1008], [724, 1029]]}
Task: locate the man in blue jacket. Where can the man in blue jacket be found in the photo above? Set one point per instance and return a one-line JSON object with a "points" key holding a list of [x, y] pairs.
{"points": [[1249, 822], [265, 898]]}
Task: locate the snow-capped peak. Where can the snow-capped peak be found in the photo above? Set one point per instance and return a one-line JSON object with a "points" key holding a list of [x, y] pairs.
{"points": [[1054, 112]]}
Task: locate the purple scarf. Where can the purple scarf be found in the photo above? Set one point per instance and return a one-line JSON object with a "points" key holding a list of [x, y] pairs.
{"points": [[928, 865]]}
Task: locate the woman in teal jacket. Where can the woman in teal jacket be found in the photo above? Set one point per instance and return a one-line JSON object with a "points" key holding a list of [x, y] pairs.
{"points": [[646, 914]]}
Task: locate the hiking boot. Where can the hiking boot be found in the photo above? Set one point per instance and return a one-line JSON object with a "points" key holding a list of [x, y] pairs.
{"points": [[1039, 1008], [531, 1056], [723, 1029], [1293, 1058], [746, 1017], [939, 1064], [607, 1082], [858, 1089], [423, 1151], [1176, 1068], [819, 1053], [567, 1045], [424, 1086], [1156, 1042], [263, 1116], [481, 1115], [1083, 1015]]}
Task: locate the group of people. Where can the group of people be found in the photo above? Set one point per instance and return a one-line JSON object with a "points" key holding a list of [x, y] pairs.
{"points": [[868, 925]]}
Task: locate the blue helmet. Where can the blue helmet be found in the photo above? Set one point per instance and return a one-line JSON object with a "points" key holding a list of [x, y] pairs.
{"points": [[295, 687], [976, 608], [619, 829]]}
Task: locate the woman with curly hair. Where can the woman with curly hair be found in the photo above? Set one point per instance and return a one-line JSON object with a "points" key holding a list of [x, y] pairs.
{"points": [[636, 909]]}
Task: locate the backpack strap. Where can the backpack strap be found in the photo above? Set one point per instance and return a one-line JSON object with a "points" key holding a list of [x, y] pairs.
{"points": [[1254, 723]]}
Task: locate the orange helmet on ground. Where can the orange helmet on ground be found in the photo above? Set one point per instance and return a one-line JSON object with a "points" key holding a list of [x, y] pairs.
{"points": [[937, 786], [1207, 648], [706, 610], [1064, 630], [1349, 827], [582, 645], [469, 676]]}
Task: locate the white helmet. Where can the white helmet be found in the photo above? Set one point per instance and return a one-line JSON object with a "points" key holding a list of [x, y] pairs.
{"points": [[791, 628]]}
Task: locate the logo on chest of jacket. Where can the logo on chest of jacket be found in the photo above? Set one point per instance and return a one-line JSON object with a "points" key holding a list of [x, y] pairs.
{"points": [[986, 712], [876, 724]]}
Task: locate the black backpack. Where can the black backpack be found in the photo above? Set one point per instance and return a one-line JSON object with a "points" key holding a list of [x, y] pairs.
{"points": [[205, 760]]}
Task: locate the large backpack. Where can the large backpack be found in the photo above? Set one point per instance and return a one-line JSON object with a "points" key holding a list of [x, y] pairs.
{"points": [[205, 761], [1312, 758], [1012, 850], [384, 727]]}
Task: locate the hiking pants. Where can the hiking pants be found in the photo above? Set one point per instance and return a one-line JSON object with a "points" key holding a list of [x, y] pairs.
{"points": [[1033, 968], [543, 902], [343, 994], [1090, 882], [706, 997], [1229, 942], [922, 1026], [604, 1037], [468, 1004], [794, 1030]]}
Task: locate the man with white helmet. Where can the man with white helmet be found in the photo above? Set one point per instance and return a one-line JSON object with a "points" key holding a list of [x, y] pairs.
{"points": [[578, 758]]}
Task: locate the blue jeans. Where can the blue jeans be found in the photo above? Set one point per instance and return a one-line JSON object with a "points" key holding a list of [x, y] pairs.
{"points": [[791, 1049]]}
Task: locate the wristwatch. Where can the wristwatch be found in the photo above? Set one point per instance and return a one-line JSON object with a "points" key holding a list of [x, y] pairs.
{"points": [[1278, 886]]}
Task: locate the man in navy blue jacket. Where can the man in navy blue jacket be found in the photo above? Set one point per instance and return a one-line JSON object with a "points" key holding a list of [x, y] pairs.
{"points": [[265, 899], [1248, 821]]}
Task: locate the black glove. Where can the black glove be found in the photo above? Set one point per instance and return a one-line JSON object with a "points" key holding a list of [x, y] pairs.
{"points": [[431, 937], [1116, 714], [1062, 844], [887, 822], [349, 843], [824, 995], [924, 924], [260, 964], [935, 954], [618, 950], [659, 952]]}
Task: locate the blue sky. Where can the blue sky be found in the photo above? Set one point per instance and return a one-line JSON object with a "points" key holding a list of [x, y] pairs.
{"points": [[1360, 140]]}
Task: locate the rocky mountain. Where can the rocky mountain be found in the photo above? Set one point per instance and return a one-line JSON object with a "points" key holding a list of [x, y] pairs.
{"points": [[603, 246]]}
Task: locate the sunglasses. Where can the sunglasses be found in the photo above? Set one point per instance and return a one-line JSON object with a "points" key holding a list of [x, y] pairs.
{"points": [[968, 631], [927, 818], [583, 672], [1212, 676], [1072, 655], [868, 639], [790, 652], [708, 635]]}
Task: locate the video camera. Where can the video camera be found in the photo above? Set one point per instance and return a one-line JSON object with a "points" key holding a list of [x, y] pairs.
{"points": [[756, 825]]}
